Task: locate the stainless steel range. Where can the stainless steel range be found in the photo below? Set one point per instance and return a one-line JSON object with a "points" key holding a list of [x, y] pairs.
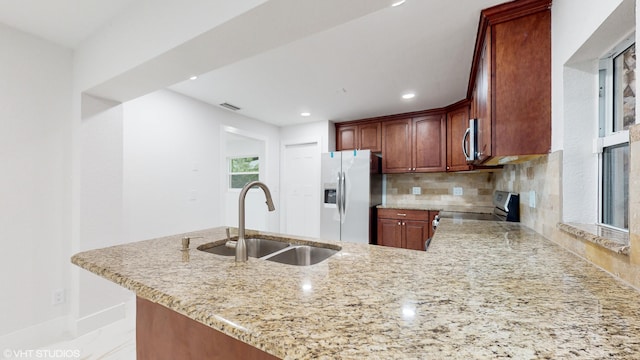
{"points": [[506, 207]]}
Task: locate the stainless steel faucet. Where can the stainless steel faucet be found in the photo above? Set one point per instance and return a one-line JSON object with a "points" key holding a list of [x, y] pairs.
{"points": [[241, 245]]}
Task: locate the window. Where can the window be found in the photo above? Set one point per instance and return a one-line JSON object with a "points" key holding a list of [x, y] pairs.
{"points": [[617, 111], [243, 170]]}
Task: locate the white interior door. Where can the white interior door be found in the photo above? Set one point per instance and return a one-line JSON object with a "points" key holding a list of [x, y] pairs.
{"points": [[301, 188]]}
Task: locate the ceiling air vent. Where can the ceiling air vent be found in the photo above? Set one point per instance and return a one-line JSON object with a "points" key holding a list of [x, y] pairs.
{"points": [[229, 106]]}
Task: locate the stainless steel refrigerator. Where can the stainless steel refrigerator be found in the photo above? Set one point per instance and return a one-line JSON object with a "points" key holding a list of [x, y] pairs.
{"points": [[351, 190]]}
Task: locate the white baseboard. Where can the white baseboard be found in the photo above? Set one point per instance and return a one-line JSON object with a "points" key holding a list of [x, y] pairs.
{"points": [[36, 336], [62, 328], [101, 318]]}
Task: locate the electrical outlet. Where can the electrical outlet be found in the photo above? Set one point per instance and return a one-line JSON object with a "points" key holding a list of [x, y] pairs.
{"points": [[457, 191], [57, 297], [532, 199], [416, 190]]}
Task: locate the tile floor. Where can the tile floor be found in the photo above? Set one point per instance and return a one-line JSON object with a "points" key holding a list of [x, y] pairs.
{"points": [[115, 341]]}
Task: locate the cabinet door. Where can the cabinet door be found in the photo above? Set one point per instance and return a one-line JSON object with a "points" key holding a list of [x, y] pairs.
{"points": [[457, 124], [483, 101], [346, 137], [415, 233], [390, 232], [429, 140], [369, 137], [396, 146], [522, 111]]}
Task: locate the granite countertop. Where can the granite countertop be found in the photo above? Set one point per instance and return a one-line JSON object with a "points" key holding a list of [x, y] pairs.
{"points": [[483, 290], [612, 239]]}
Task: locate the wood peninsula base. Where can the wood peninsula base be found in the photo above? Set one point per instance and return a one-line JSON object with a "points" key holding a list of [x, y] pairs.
{"points": [[164, 334]]}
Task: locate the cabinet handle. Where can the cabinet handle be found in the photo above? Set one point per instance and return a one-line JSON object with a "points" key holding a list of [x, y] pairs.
{"points": [[402, 214], [399, 223], [404, 223]]}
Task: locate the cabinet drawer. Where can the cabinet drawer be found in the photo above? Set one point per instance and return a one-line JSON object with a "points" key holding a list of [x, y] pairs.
{"points": [[403, 214]]}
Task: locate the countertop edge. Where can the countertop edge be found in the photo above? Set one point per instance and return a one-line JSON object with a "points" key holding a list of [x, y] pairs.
{"points": [[585, 235], [158, 297]]}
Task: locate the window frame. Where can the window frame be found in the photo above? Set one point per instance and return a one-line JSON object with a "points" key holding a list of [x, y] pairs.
{"points": [[230, 173], [606, 137]]}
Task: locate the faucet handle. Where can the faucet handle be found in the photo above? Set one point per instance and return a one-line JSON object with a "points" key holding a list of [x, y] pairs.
{"points": [[186, 240], [230, 244]]}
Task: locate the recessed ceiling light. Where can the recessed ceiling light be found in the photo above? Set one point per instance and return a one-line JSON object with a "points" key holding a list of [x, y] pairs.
{"points": [[305, 114], [193, 77], [398, 3], [408, 96]]}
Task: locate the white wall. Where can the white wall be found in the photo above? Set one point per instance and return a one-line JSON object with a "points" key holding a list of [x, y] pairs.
{"points": [[321, 131], [171, 152], [576, 48], [101, 207], [572, 23], [35, 190]]}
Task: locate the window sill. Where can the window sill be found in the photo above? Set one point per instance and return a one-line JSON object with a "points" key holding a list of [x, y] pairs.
{"points": [[608, 238]]}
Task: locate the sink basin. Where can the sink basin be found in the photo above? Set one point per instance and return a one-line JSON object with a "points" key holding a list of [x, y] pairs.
{"points": [[256, 248], [302, 255]]}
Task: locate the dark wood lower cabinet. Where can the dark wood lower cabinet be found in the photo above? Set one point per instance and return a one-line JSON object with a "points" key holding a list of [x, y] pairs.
{"points": [[407, 229], [416, 233], [162, 333], [389, 232]]}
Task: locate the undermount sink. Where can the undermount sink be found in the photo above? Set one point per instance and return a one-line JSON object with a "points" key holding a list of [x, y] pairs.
{"points": [[302, 255], [256, 248], [276, 251]]}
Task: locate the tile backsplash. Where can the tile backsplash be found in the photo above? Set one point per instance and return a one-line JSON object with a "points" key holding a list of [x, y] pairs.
{"points": [[539, 183], [437, 190]]}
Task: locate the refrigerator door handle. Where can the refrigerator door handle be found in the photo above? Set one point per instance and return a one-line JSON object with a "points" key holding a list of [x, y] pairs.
{"points": [[343, 186], [339, 194]]}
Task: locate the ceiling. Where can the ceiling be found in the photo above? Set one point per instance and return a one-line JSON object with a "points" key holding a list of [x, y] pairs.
{"points": [[64, 22], [354, 70]]}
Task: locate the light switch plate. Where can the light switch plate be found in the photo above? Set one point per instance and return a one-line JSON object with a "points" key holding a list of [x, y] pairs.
{"points": [[457, 191], [416, 190]]}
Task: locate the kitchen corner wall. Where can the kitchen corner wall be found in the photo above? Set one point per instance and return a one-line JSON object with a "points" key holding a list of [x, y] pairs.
{"points": [[35, 188], [437, 191], [539, 183]]}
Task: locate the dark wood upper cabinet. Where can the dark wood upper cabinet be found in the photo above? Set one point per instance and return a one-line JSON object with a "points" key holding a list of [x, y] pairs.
{"points": [[457, 123], [370, 137], [429, 143], [346, 137], [396, 146], [510, 83], [365, 136], [417, 144]]}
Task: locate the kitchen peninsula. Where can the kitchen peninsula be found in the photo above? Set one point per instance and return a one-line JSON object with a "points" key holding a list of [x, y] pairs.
{"points": [[483, 290]]}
